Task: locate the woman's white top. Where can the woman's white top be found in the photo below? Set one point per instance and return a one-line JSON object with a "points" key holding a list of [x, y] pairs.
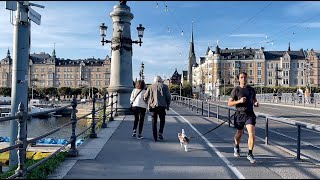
{"points": [[139, 99]]}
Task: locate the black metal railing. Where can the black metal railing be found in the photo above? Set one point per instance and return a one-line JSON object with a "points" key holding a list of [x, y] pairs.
{"points": [[194, 103], [22, 141]]}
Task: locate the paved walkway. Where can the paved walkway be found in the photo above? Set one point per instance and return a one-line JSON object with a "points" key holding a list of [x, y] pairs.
{"points": [[115, 154]]}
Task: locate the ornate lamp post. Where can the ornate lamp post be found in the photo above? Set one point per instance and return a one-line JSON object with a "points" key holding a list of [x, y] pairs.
{"points": [[141, 73], [121, 54]]}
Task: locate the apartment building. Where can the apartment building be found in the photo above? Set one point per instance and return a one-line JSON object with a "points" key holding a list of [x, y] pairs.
{"points": [[219, 68], [50, 71]]}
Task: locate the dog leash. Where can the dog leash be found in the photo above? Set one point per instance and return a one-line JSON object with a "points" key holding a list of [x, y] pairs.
{"points": [[208, 131]]}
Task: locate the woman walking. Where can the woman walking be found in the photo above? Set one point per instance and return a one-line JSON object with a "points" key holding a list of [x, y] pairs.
{"points": [[139, 107]]}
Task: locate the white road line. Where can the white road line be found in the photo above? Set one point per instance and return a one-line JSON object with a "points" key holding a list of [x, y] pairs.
{"points": [[299, 112], [224, 159]]}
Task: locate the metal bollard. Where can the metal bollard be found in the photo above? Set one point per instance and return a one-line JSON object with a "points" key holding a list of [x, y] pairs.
{"points": [[93, 133], [218, 112], [299, 142], [208, 110], [266, 141], [22, 141], [202, 108], [104, 124], [73, 152], [229, 117]]}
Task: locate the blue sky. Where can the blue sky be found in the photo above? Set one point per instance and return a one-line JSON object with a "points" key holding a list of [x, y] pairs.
{"points": [[74, 28]]}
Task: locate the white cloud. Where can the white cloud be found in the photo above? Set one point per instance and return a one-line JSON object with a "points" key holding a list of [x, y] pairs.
{"points": [[303, 8], [311, 25], [248, 35]]}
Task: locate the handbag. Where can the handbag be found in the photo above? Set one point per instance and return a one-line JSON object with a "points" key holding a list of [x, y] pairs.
{"points": [[131, 108]]}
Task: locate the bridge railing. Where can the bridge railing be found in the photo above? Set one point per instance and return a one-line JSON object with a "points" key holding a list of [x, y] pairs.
{"points": [[22, 141], [199, 106]]}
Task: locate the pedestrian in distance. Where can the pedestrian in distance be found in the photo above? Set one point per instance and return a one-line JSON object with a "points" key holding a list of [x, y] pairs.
{"points": [[139, 107], [243, 97], [159, 98], [274, 99], [300, 94]]}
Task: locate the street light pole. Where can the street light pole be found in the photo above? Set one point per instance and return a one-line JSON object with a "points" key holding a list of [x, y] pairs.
{"points": [[21, 51], [121, 55]]}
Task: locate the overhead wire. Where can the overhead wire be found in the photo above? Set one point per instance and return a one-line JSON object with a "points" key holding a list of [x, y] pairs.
{"points": [[281, 31], [239, 26]]}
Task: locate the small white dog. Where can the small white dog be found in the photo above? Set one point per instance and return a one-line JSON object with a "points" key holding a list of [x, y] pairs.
{"points": [[184, 140]]}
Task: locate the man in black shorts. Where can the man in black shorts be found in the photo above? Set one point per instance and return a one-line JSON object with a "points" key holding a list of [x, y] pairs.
{"points": [[244, 98]]}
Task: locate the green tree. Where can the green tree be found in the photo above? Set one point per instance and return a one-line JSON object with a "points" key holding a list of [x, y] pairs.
{"points": [[5, 91]]}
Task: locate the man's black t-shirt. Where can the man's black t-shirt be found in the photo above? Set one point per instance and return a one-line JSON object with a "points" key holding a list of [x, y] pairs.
{"points": [[248, 92]]}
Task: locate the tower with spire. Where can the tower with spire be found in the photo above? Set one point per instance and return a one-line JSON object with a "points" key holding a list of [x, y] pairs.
{"points": [[289, 48], [191, 58], [54, 51]]}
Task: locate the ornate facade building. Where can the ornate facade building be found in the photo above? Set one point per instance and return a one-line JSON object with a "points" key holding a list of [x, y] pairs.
{"points": [[50, 71], [219, 68]]}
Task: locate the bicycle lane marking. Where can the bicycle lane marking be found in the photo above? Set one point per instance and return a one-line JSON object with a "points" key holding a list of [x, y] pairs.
{"points": [[224, 159]]}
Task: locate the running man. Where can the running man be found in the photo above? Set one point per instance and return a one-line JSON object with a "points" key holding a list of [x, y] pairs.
{"points": [[243, 97]]}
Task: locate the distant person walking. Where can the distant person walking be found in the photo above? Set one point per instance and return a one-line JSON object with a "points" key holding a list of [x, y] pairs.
{"points": [[244, 98], [300, 94], [274, 99], [159, 98], [307, 96], [139, 107]]}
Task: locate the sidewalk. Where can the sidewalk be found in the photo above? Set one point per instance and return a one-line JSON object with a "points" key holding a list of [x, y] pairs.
{"points": [[115, 154]]}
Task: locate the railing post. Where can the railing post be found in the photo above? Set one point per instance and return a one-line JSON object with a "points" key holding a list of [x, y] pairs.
{"points": [[229, 117], [218, 112], [22, 141], [202, 107], [73, 152], [93, 133], [197, 106], [266, 141], [111, 108], [117, 95], [104, 124], [208, 110], [299, 142]]}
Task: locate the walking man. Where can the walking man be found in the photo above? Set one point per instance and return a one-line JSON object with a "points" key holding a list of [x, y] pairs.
{"points": [[244, 98], [159, 98]]}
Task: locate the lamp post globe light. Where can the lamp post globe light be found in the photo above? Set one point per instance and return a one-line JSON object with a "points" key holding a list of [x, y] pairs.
{"points": [[121, 54]]}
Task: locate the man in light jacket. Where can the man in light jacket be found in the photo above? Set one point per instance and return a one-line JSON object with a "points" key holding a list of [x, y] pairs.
{"points": [[159, 98]]}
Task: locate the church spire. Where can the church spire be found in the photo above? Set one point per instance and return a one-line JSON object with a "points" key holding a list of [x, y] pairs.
{"points": [[289, 49], [191, 52], [8, 53], [54, 50]]}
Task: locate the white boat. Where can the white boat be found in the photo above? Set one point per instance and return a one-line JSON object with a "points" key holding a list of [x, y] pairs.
{"points": [[5, 114], [36, 109]]}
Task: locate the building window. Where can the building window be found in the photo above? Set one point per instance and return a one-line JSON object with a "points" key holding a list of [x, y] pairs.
{"points": [[259, 72], [259, 64], [259, 80], [302, 81]]}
